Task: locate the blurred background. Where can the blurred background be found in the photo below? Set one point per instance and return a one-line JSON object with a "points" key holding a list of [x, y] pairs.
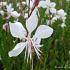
{"points": [[56, 49]]}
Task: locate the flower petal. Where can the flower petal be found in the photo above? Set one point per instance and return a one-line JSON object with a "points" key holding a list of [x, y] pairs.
{"points": [[53, 10], [36, 40], [52, 4], [17, 50], [9, 8], [32, 21], [17, 30], [15, 14], [42, 4], [43, 31]]}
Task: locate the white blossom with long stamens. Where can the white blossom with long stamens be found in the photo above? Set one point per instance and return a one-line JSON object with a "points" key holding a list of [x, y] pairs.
{"points": [[11, 12], [49, 5], [31, 44]]}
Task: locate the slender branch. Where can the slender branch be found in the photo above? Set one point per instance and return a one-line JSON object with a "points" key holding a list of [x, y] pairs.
{"points": [[29, 9]]}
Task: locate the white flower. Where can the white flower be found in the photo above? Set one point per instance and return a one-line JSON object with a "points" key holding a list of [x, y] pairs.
{"points": [[49, 5], [23, 3], [3, 3], [63, 25], [68, 0], [54, 19], [61, 13], [9, 8], [30, 44], [11, 12], [2, 12], [53, 10], [15, 14], [19, 4], [44, 3], [26, 15], [50, 22]]}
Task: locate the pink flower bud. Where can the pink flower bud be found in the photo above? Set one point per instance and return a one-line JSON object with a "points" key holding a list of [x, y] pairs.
{"points": [[5, 27]]}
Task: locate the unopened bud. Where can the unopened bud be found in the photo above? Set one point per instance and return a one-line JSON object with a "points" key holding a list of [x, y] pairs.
{"points": [[6, 27]]}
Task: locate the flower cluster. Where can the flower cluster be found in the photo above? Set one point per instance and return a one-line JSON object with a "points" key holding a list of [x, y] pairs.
{"points": [[53, 13], [11, 12], [28, 42]]}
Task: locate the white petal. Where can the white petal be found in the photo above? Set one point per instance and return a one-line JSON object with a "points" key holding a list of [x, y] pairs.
{"points": [[42, 4], [43, 31], [61, 13], [3, 3], [9, 8], [17, 30], [25, 15], [53, 10], [17, 50], [32, 21], [15, 14], [31, 4], [63, 25], [48, 3], [2, 12], [36, 40], [52, 4]]}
